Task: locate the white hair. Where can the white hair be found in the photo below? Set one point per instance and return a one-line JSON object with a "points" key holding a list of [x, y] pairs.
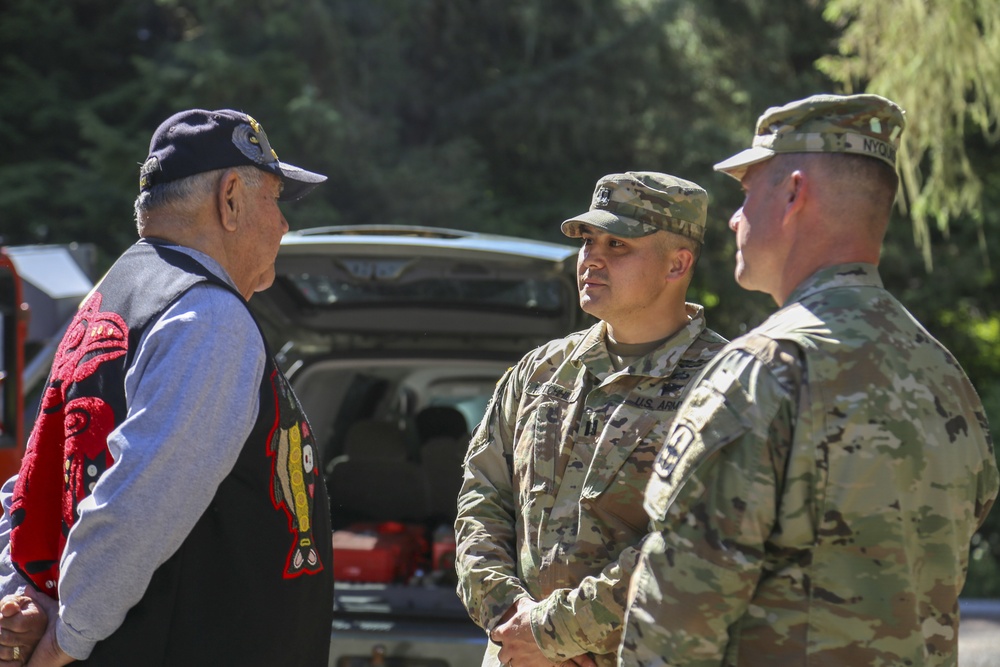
{"points": [[184, 196]]}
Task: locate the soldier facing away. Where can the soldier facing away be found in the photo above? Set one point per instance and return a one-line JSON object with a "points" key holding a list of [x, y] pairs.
{"points": [[550, 513], [818, 490]]}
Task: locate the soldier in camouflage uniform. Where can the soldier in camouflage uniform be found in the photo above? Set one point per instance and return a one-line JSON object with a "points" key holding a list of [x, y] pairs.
{"points": [[550, 513], [815, 499]]}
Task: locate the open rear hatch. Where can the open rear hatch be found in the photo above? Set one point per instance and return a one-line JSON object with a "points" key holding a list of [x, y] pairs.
{"points": [[409, 288]]}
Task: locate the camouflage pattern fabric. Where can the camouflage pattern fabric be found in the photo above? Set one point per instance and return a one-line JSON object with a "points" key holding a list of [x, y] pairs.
{"points": [[867, 125], [639, 203], [816, 497], [551, 503]]}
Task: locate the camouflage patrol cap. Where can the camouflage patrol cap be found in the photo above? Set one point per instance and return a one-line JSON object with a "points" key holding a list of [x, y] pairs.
{"points": [[861, 124], [639, 203]]}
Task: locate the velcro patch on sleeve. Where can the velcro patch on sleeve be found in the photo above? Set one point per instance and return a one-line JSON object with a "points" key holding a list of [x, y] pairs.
{"points": [[707, 422]]}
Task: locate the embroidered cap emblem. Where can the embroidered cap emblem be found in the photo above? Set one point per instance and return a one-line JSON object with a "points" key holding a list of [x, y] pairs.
{"points": [[252, 142], [602, 197]]}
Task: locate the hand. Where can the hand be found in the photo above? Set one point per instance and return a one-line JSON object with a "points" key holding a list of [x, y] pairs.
{"points": [[47, 653], [517, 643], [22, 624]]}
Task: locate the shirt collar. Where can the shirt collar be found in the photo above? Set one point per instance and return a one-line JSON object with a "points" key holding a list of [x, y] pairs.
{"points": [[841, 275], [592, 351], [205, 260]]}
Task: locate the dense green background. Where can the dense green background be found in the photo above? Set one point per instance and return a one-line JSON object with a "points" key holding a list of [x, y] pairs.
{"points": [[494, 115]]}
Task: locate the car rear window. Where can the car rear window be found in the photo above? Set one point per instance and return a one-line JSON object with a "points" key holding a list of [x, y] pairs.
{"points": [[488, 292]]}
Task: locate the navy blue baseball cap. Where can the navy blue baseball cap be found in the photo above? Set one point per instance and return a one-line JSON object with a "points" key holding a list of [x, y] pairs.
{"points": [[195, 141]]}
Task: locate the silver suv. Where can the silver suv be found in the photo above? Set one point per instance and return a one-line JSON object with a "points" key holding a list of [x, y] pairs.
{"points": [[394, 338]]}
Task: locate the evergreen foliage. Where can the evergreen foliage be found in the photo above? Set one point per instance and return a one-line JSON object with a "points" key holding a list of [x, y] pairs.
{"points": [[940, 60]]}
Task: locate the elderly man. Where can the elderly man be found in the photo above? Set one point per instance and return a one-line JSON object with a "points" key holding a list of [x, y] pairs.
{"points": [[816, 496], [170, 498], [550, 515]]}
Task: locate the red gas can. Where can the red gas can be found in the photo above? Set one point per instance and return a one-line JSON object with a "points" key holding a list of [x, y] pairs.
{"points": [[377, 553]]}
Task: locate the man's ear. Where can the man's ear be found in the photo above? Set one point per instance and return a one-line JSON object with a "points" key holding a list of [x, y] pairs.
{"points": [[796, 192], [228, 199], [680, 263]]}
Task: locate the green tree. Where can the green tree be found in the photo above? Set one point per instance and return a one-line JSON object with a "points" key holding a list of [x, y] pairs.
{"points": [[940, 59], [68, 100]]}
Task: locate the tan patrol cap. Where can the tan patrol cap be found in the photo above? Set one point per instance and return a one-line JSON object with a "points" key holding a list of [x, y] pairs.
{"points": [[860, 124], [639, 203]]}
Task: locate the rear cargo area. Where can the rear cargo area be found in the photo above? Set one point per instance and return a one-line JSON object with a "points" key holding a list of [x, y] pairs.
{"points": [[394, 435]]}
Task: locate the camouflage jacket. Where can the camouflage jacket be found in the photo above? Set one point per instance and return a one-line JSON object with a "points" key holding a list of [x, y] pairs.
{"points": [[551, 505], [817, 494]]}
